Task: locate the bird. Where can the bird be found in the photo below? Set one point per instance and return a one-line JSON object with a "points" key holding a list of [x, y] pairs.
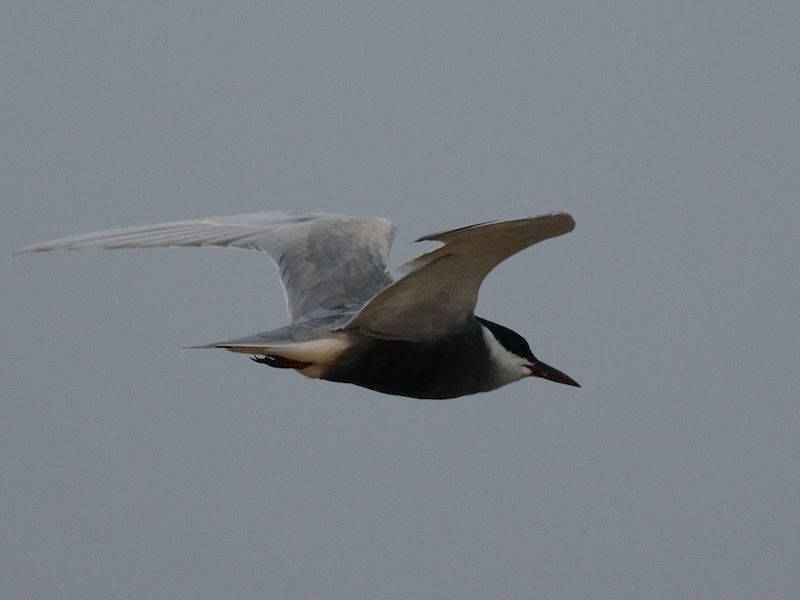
{"points": [[351, 321]]}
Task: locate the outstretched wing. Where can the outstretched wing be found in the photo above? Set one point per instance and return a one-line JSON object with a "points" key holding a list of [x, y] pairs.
{"points": [[441, 289], [326, 262]]}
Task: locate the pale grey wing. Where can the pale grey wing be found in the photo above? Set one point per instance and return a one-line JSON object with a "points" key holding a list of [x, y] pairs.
{"points": [[441, 289], [326, 262]]}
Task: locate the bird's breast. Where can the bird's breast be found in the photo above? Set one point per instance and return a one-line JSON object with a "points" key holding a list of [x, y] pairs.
{"points": [[444, 368]]}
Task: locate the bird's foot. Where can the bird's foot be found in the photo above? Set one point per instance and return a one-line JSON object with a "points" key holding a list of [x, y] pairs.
{"points": [[280, 362]]}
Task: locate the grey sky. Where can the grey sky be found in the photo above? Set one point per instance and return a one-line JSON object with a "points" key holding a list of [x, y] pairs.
{"points": [[133, 468]]}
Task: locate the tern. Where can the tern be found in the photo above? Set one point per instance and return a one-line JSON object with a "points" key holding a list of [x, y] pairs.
{"points": [[350, 320]]}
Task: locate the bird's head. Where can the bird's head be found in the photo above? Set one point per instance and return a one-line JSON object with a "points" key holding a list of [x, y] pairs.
{"points": [[513, 357]]}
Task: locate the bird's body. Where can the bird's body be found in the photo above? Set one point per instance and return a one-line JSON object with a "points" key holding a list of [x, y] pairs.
{"points": [[447, 367], [350, 321]]}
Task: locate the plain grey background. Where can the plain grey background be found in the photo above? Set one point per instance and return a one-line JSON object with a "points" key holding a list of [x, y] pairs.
{"points": [[132, 468]]}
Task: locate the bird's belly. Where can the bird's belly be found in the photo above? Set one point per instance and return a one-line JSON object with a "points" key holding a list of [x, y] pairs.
{"points": [[435, 370]]}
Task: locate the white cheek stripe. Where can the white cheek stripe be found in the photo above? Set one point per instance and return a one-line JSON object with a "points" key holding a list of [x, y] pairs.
{"points": [[509, 367]]}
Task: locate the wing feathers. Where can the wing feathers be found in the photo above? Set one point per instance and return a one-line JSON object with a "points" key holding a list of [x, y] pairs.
{"points": [[326, 261], [332, 264], [441, 289]]}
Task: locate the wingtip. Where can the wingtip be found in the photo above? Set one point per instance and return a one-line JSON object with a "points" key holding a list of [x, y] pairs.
{"points": [[566, 219], [42, 247], [25, 250]]}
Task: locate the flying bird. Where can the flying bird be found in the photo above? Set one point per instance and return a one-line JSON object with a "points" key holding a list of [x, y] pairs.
{"points": [[350, 321]]}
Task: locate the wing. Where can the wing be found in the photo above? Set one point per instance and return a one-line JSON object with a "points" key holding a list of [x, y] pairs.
{"points": [[327, 262], [441, 289]]}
